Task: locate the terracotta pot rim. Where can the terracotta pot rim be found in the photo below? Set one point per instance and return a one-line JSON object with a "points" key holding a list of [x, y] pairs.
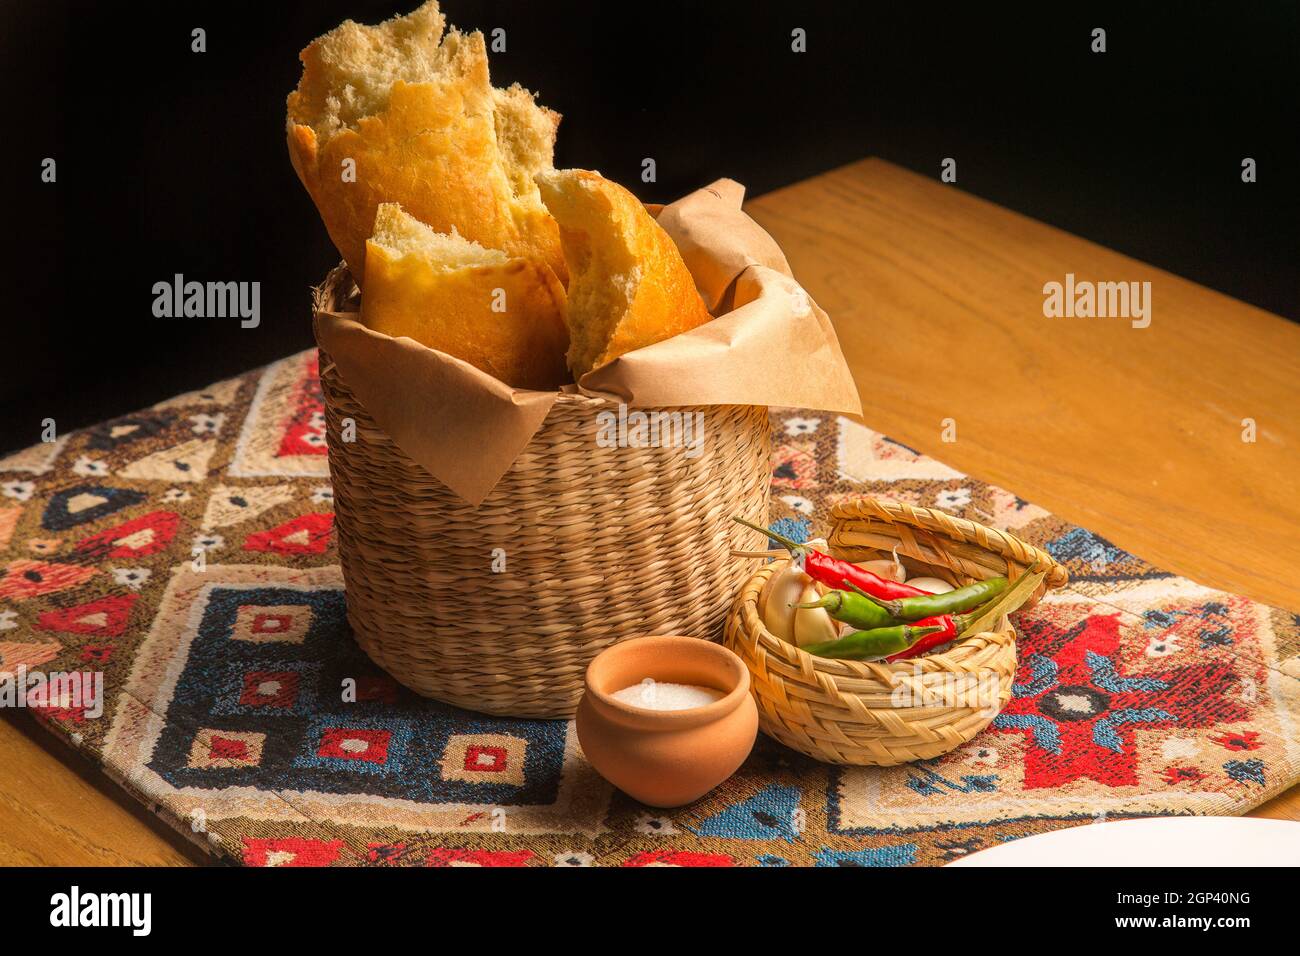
{"points": [[672, 719]]}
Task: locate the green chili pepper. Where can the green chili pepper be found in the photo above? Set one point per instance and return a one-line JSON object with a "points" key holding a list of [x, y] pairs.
{"points": [[935, 605], [853, 609], [878, 642]]}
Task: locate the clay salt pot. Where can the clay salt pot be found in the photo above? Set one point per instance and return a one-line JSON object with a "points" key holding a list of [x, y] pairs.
{"points": [[667, 758]]}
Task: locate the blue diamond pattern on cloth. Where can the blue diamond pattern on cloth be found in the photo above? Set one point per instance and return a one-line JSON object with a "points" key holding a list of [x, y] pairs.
{"points": [[1080, 544], [902, 855], [770, 814], [417, 730], [394, 742], [1246, 771], [110, 435], [74, 506], [796, 529], [303, 699]]}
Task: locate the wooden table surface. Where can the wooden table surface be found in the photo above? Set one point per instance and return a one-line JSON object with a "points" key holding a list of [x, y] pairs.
{"points": [[938, 300]]}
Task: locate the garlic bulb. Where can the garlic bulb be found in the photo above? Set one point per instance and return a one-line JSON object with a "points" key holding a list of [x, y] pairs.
{"points": [[812, 625], [791, 586], [887, 568], [787, 588]]}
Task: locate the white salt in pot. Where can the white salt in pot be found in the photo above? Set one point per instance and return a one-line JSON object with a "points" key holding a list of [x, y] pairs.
{"points": [[666, 758]]}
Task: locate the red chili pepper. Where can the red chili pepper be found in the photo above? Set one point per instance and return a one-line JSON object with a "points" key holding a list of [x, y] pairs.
{"points": [[834, 573], [956, 624], [951, 631], [953, 626]]}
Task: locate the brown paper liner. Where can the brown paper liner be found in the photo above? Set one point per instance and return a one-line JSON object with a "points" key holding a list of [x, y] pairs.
{"points": [[774, 346]]}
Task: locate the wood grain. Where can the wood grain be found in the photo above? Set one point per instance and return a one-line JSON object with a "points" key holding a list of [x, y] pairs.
{"points": [[58, 809], [937, 297], [1133, 433]]}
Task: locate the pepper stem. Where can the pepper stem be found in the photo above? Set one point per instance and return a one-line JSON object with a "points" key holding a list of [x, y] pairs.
{"points": [[962, 621]]}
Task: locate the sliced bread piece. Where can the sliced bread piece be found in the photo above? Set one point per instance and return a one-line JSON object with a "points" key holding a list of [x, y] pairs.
{"points": [[628, 286], [401, 113], [503, 315]]}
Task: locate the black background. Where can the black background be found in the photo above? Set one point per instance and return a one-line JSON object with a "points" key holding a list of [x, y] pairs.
{"points": [[173, 161], [512, 906]]}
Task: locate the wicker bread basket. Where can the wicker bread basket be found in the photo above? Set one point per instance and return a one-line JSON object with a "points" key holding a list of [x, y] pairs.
{"points": [[598, 543], [852, 712]]}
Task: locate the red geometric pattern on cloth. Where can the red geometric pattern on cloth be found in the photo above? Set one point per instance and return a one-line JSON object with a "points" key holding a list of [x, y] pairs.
{"points": [[270, 623], [1137, 692], [269, 689], [377, 687], [304, 433], [1244, 741], [346, 743], [384, 854], [227, 748], [306, 534], [106, 617], [137, 538], [485, 759], [290, 851], [1094, 728], [29, 579]]}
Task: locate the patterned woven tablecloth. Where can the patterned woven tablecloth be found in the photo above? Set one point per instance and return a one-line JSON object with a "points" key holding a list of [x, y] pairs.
{"points": [[187, 553]]}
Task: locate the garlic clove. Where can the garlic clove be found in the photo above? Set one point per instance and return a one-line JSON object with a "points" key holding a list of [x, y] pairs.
{"points": [[887, 568], [787, 589], [812, 625]]}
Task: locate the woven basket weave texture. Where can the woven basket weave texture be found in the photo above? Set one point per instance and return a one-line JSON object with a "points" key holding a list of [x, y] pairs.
{"points": [[877, 713], [499, 608]]}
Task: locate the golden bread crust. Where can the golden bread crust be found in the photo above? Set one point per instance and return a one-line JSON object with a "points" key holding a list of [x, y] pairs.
{"points": [[450, 309], [628, 286], [453, 151]]}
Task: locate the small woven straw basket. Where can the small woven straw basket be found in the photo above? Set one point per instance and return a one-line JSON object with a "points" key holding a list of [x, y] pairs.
{"points": [[880, 714], [599, 543]]}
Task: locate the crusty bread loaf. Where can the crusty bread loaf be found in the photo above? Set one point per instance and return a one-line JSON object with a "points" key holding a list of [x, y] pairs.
{"points": [[440, 289], [628, 286], [416, 113]]}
